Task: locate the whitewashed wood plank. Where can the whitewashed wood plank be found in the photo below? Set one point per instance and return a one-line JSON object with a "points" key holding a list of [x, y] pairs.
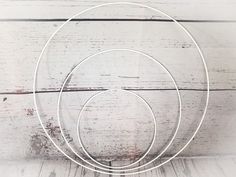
{"points": [[208, 167], [226, 166], [183, 169], [58, 167], [21, 135], [55, 168], [204, 166], [22, 42], [180, 9], [21, 168]]}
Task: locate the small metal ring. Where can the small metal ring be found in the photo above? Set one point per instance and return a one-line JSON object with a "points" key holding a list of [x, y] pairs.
{"points": [[144, 154]]}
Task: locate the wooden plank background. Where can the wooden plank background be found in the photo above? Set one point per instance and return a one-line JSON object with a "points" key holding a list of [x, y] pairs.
{"points": [[197, 167], [26, 25]]}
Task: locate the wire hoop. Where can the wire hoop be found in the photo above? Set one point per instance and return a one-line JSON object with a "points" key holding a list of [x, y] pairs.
{"points": [[152, 9]]}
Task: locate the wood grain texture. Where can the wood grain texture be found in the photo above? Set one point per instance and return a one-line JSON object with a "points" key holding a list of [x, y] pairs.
{"points": [[22, 43], [205, 167], [22, 136], [180, 9], [26, 26]]}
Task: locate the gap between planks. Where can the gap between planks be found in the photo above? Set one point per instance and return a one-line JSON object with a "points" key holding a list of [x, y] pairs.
{"points": [[88, 90], [114, 19]]}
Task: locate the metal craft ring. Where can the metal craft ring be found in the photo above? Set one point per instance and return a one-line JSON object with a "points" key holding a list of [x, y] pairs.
{"points": [[144, 154], [108, 167], [152, 9]]}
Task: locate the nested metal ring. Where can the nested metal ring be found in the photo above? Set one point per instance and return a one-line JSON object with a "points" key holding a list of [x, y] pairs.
{"points": [[155, 10], [145, 154]]}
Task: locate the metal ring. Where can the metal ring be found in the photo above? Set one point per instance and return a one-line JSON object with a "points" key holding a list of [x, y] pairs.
{"points": [[144, 154], [155, 10], [110, 168]]}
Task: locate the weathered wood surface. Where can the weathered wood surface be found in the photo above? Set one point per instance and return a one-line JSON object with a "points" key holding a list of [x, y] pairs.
{"points": [[23, 37], [203, 167], [21, 43], [22, 136], [180, 9]]}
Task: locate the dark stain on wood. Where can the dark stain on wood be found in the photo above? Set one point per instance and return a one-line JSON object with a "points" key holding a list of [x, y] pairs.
{"points": [[55, 132], [4, 99], [52, 130], [29, 111], [39, 144]]}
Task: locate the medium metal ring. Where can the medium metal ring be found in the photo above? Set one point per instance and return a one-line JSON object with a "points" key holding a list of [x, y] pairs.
{"points": [[108, 168]]}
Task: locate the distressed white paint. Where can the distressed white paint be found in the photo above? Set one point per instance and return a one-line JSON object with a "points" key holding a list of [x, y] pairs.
{"points": [[180, 9], [21, 42], [212, 167], [21, 127]]}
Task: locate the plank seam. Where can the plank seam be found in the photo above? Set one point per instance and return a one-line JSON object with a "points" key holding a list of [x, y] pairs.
{"points": [[88, 90], [111, 19]]}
